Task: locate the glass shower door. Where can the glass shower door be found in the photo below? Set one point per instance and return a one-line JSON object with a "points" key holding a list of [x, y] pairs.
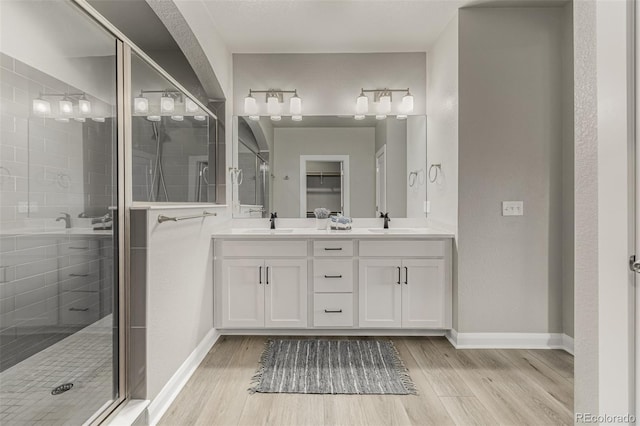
{"points": [[58, 197]]}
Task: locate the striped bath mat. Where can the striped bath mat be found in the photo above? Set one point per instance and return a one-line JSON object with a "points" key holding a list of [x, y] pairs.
{"points": [[332, 367]]}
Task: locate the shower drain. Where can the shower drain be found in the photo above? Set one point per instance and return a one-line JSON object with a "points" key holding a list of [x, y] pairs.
{"points": [[61, 389]]}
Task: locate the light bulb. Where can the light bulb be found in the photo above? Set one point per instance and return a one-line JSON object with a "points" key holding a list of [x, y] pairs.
{"points": [[98, 119], [359, 116], [296, 117], [41, 107], [384, 105], [199, 117], [295, 105], [254, 117], [250, 106], [362, 104], [167, 104], [84, 106], [276, 117], [407, 103], [80, 119], [65, 106], [154, 118], [380, 116], [190, 106], [141, 105], [177, 118], [273, 105]]}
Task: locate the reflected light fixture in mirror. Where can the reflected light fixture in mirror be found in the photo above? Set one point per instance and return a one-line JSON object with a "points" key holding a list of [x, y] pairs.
{"points": [[190, 106], [65, 106], [84, 105], [177, 117], [167, 104], [41, 106], [62, 120], [98, 119], [141, 105], [154, 118], [199, 117], [359, 116], [80, 119]]}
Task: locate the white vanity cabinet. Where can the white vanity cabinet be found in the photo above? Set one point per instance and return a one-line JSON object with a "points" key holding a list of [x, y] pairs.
{"points": [[412, 291], [347, 284], [265, 291]]}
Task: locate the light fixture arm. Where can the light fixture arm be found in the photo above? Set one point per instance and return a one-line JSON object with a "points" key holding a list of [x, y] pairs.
{"points": [[378, 93], [274, 93]]}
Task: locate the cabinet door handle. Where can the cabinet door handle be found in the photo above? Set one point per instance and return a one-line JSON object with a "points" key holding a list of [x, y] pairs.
{"points": [[328, 311], [333, 276], [78, 309], [267, 275], [78, 275], [406, 275], [399, 275], [260, 275], [333, 248]]}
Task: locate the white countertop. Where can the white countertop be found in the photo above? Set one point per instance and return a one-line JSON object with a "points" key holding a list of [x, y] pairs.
{"points": [[404, 233]]}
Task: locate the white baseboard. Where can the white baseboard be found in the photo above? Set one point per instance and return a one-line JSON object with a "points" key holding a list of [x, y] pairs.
{"points": [[510, 341], [165, 397], [331, 332]]}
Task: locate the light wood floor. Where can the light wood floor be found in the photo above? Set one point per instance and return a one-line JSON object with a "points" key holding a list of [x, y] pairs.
{"points": [[461, 387]]}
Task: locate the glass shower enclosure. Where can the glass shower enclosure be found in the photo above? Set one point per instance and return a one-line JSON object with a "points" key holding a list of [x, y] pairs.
{"points": [[89, 124]]}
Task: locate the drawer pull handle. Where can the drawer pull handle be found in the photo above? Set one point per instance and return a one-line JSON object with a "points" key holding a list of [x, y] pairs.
{"points": [[260, 275], [333, 248], [399, 274], [78, 275], [406, 275], [78, 309], [329, 311], [79, 248], [267, 275], [333, 276]]}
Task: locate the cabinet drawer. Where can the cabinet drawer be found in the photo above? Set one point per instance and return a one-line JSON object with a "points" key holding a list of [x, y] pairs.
{"points": [[79, 308], [333, 276], [327, 248], [333, 310], [264, 248], [400, 248]]}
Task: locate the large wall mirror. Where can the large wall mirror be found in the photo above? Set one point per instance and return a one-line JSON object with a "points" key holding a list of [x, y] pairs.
{"points": [[359, 168]]}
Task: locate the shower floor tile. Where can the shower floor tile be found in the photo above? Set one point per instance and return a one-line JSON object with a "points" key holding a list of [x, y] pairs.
{"points": [[84, 359]]}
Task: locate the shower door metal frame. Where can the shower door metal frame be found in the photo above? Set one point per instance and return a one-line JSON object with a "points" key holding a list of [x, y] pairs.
{"points": [[124, 50]]}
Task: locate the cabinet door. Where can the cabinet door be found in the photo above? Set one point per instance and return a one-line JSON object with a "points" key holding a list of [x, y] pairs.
{"points": [[243, 293], [380, 293], [423, 293], [286, 293]]}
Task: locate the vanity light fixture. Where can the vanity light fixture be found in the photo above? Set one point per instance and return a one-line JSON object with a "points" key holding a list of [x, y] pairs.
{"points": [[41, 106], [273, 98], [383, 102], [65, 106], [167, 104], [177, 117], [190, 106], [141, 104], [84, 106]]}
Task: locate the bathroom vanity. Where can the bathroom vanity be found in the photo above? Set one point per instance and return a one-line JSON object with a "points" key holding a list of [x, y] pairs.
{"points": [[363, 281]]}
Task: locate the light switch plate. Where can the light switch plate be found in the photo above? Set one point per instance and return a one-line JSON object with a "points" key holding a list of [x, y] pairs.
{"points": [[512, 208]]}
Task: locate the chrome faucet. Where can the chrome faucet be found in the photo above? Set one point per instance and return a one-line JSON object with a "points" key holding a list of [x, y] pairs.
{"points": [[386, 218], [67, 219], [274, 215]]}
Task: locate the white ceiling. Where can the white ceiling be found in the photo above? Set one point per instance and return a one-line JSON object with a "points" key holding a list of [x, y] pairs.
{"points": [[330, 26]]}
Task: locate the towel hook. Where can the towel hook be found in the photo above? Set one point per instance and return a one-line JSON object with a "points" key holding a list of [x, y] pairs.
{"points": [[433, 177]]}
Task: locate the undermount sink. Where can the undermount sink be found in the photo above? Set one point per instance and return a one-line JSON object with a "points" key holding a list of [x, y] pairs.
{"points": [[392, 231], [268, 231]]}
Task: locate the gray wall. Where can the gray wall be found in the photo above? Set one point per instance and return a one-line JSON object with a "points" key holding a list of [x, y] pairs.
{"points": [[329, 83], [510, 269], [416, 162], [442, 127], [291, 143]]}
